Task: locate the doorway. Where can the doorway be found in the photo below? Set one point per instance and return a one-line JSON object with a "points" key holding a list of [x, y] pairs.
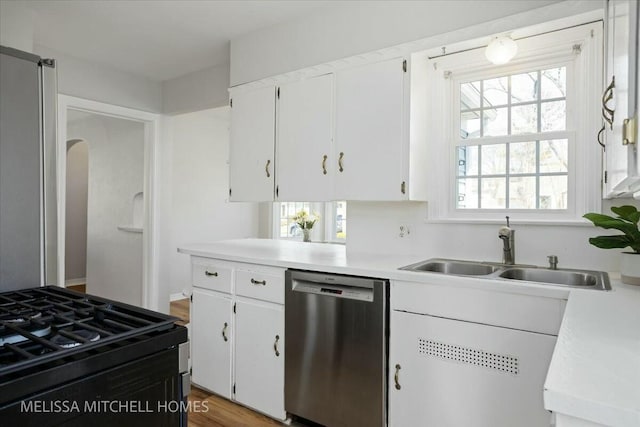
{"points": [[106, 169]]}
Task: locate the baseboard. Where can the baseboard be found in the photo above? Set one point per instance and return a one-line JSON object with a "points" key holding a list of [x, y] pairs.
{"points": [[176, 297], [74, 282]]}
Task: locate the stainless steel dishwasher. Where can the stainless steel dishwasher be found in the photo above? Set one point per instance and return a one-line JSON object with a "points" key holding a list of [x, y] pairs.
{"points": [[336, 352]]}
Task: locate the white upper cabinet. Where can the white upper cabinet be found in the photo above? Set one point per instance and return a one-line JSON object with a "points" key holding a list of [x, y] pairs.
{"points": [[620, 99], [251, 154], [305, 166], [370, 132]]}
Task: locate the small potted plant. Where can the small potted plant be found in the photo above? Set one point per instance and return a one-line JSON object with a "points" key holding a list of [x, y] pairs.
{"points": [[627, 222], [305, 222]]}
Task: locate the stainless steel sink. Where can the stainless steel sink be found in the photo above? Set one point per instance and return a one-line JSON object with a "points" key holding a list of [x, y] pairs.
{"points": [[463, 268], [596, 279], [563, 277]]}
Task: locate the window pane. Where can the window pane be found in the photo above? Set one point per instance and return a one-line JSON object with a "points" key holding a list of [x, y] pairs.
{"points": [[524, 119], [522, 192], [493, 193], [495, 92], [554, 83], [494, 121], [470, 95], [469, 124], [554, 116], [554, 156], [494, 159], [468, 160], [341, 220], [553, 192], [467, 193], [524, 87], [522, 157]]}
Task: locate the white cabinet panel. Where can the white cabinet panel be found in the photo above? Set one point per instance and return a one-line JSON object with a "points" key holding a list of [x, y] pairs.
{"points": [[251, 154], [259, 357], [370, 136], [209, 274], [211, 336], [454, 373], [621, 160], [304, 164]]}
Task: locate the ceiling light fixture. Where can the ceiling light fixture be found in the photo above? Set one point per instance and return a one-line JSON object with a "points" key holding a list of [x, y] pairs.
{"points": [[501, 50]]}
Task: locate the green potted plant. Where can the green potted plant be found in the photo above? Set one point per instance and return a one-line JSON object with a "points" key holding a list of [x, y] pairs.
{"points": [[306, 222], [626, 221]]}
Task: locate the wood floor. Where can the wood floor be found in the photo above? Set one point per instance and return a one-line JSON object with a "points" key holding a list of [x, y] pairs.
{"points": [[221, 412], [78, 288]]}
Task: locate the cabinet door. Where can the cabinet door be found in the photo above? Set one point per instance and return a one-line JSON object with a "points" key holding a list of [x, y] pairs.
{"points": [[211, 337], [251, 154], [621, 160], [454, 373], [370, 136], [259, 357], [304, 167]]}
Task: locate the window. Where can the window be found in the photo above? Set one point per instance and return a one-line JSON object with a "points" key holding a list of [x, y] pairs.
{"points": [[518, 139], [530, 174], [332, 226]]}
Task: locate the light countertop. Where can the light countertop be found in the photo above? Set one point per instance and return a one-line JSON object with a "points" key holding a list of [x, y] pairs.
{"points": [[595, 369]]}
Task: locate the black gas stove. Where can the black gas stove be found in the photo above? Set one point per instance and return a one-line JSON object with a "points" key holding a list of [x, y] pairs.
{"points": [[68, 358]]}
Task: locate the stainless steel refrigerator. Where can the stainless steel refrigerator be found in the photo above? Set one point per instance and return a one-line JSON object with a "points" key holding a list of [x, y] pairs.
{"points": [[28, 207]]}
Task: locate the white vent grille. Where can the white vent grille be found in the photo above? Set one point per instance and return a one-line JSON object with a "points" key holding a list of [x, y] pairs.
{"points": [[471, 356]]}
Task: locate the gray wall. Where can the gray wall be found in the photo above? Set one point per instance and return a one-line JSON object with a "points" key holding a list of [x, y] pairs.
{"points": [[75, 265], [196, 91]]}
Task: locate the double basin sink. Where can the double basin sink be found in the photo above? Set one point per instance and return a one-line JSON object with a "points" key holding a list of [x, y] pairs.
{"points": [[563, 277]]}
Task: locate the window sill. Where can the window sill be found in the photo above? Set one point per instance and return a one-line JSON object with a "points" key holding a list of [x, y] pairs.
{"points": [[535, 222]]}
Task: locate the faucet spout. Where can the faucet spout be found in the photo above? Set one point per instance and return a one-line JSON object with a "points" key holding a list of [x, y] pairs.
{"points": [[507, 235]]}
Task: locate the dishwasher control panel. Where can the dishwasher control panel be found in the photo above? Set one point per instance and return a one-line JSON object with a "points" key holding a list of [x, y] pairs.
{"points": [[336, 291]]}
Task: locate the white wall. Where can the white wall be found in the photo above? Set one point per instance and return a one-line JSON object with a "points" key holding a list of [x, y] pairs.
{"points": [[361, 27], [194, 203], [116, 159], [374, 228], [75, 249], [99, 82], [196, 91]]}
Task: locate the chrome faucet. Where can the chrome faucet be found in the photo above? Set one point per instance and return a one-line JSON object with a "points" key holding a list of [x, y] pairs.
{"points": [[507, 234]]}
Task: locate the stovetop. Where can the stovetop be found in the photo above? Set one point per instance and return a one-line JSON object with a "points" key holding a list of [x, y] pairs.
{"points": [[46, 324]]}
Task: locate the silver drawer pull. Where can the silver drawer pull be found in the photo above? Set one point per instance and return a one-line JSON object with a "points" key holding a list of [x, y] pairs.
{"points": [[275, 346], [208, 273], [224, 332], [258, 282], [398, 387]]}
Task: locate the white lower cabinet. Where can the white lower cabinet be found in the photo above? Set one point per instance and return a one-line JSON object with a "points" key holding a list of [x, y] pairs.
{"points": [[259, 357], [237, 334], [452, 373], [211, 337]]}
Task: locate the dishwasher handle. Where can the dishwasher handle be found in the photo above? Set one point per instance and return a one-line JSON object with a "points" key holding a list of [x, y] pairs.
{"points": [[333, 290]]}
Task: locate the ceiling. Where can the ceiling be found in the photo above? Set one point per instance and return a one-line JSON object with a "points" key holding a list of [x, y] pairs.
{"points": [[159, 40]]}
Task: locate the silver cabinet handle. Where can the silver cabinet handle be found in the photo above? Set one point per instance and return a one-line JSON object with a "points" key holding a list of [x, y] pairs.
{"points": [[224, 332], [398, 387], [275, 346], [608, 113], [266, 168], [208, 273], [340, 168], [258, 282], [324, 164]]}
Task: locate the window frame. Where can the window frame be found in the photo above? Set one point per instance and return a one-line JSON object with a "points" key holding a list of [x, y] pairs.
{"points": [[536, 53]]}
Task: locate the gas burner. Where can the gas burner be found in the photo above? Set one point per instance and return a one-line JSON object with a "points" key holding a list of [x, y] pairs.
{"points": [[20, 316], [66, 342], [13, 337]]}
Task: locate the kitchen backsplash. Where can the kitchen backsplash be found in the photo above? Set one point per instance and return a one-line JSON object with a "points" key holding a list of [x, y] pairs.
{"points": [[375, 228]]}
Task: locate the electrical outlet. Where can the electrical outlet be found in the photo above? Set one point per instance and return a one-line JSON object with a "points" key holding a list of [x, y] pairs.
{"points": [[404, 231]]}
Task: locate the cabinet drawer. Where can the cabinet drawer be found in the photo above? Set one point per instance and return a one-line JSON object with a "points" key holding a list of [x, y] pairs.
{"points": [[210, 274], [264, 283]]}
